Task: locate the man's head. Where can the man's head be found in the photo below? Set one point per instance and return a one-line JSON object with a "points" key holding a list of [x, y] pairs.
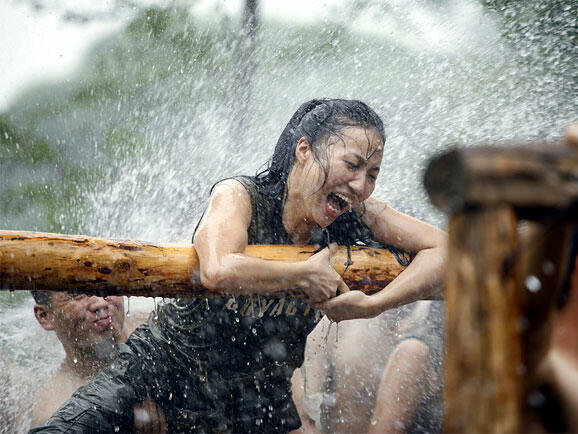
{"points": [[86, 325]]}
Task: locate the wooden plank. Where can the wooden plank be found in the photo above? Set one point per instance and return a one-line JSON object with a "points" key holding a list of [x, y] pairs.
{"points": [[483, 360], [54, 262]]}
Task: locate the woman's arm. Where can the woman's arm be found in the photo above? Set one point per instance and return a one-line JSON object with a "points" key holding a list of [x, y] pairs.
{"points": [[421, 279], [221, 239]]}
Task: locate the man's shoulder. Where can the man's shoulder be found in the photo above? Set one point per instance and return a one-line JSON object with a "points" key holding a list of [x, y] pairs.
{"points": [[53, 394]]}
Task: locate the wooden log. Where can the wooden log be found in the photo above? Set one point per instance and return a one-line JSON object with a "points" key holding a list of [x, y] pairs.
{"points": [[483, 360], [535, 179], [544, 256], [43, 261], [544, 263]]}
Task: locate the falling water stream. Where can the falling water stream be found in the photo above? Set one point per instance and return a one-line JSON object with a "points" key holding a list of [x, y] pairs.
{"points": [[138, 136]]}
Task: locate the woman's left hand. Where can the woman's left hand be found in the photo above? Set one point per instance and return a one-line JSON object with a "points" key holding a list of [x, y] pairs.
{"points": [[351, 305]]}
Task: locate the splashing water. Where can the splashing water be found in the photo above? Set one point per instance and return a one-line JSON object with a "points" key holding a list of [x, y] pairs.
{"points": [[131, 147]]}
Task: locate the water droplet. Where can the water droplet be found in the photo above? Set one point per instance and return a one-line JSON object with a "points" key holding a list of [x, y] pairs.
{"points": [[548, 268], [533, 283], [233, 338], [75, 360], [536, 399], [116, 428], [128, 306]]}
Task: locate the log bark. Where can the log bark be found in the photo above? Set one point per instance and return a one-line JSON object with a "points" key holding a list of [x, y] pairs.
{"points": [[53, 262], [544, 259], [535, 179], [483, 362]]}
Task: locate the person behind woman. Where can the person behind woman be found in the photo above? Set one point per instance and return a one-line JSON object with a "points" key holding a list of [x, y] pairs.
{"points": [[226, 363]]}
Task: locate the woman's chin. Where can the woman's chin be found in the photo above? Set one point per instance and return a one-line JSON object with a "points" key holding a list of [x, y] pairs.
{"points": [[326, 220]]}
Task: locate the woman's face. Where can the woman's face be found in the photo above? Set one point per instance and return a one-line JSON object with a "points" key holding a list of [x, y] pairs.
{"points": [[354, 160]]}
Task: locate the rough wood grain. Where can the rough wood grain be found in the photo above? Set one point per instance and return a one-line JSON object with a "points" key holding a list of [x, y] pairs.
{"points": [[483, 359], [544, 258], [43, 261]]}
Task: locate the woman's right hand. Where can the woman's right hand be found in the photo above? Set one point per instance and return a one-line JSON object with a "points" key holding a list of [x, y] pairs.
{"points": [[322, 282]]}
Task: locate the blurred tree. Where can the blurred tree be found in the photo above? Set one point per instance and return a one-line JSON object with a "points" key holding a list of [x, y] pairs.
{"points": [[245, 71]]}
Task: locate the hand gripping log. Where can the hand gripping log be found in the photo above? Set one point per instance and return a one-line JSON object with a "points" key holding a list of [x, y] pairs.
{"points": [[54, 262]]}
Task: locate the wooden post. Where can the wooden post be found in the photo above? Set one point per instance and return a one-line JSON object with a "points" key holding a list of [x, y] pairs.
{"points": [[483, 365], [498, 321], [53, 262]]}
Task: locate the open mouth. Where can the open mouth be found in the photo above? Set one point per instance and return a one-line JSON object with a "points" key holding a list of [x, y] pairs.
{"points": [[338, 203]]}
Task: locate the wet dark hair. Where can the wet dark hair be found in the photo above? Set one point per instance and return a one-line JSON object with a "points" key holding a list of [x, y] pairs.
{"points": [[42, 297], [318, 120], [315, 120]]}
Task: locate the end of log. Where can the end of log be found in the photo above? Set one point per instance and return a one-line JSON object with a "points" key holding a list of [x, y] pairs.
{"points": [[530, 177], [445, 181]]}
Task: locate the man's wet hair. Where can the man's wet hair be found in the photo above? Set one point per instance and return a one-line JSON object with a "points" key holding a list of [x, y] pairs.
{"points": [[42, 297]]}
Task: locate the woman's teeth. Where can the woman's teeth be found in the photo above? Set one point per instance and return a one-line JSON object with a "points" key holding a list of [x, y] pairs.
{"points": [[333, 208], [338, 202], [344, 199]]}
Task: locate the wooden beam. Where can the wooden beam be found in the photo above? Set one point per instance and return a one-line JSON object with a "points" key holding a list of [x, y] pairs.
{"points": [[483, 359], [533, 179], [544, 260], [53, 262]]}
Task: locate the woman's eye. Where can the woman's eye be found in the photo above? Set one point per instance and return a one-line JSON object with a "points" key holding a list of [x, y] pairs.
{"points": [[351, 166]]}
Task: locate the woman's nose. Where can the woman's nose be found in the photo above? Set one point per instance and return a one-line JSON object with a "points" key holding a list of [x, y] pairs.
{"points": [[357, 184]]}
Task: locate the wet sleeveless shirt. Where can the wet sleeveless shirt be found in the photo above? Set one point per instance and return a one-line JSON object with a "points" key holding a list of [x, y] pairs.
{"points": [[243, 334]]}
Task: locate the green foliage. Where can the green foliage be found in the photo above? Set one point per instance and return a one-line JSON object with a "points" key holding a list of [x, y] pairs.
{"points": [[21, 147]]}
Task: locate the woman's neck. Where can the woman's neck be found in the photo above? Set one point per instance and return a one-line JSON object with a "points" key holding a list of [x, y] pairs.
{"points": [[297, 224]]}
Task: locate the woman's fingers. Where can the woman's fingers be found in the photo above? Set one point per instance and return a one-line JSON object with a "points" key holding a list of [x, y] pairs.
{"points": [[342, 287], [326, 283]]}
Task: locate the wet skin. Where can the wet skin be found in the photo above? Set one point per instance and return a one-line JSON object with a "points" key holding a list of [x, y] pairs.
{"points": [[354, 161], [86, 320]]}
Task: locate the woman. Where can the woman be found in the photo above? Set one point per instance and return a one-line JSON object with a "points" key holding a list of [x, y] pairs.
{"points": [[226, 364]]}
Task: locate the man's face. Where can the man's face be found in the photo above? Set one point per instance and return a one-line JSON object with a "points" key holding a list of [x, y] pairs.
{"points": [[86, 322]]}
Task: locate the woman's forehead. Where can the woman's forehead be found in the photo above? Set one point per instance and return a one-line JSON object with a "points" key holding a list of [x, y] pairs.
{"points": [[363, 141]]}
